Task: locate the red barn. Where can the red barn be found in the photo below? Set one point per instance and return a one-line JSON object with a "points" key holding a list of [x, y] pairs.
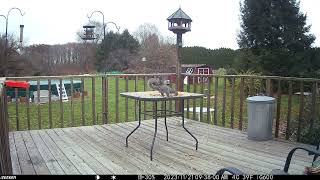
{"points": [[192, 69]]}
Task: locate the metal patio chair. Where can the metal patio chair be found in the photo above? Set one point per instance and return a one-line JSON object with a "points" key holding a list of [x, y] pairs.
{"points": [[315, 152]]}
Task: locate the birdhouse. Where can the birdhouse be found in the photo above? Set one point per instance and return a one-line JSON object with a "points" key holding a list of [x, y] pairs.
{"points": [[179, 22], [88, 32]]}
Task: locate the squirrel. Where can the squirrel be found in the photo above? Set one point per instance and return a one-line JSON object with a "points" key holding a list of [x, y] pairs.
{"points": [[159, 85]]}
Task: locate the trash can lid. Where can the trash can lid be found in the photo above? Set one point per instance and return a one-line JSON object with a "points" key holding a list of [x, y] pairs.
{"points": [[261, 99]]}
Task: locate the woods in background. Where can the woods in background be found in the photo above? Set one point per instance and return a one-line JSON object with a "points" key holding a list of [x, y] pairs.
{"points": [[274, 39]]}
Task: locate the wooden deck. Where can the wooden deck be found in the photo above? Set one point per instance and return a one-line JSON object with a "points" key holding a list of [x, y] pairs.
{"points": [[101, 149]]}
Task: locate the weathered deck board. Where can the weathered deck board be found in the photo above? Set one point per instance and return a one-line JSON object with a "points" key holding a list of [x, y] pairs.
{"points": [[65, 152], [229, 152], [100, 149], [49, 158], [38, 162], [23, 156], [13, 151]]}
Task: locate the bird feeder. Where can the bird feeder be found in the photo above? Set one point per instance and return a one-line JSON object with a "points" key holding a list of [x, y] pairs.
{"points": [[88, 32], [21, 32]]}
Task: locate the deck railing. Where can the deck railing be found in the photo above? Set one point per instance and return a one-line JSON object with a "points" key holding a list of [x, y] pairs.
{"points": [[5, 158], [97, 101]]}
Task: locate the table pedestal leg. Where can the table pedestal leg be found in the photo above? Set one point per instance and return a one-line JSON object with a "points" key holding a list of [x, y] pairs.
{"points": [[182, 116], [155, 115], [138, 124], [165, 118]]}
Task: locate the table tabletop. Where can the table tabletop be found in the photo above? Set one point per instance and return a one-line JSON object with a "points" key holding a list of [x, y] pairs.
{"points": [[156, 96]]}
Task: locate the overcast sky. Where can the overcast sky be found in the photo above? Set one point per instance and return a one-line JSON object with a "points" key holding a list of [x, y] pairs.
{"points": [[215, 22]]}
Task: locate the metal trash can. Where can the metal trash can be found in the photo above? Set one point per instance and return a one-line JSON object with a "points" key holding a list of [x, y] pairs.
{"points": [[260, 117]]}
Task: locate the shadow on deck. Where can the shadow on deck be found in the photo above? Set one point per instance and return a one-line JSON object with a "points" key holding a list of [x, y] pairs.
{"points": [[101, 149]]}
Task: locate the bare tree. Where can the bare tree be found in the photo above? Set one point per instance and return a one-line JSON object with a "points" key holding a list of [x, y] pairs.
{"points": [[144, 31], [159, 52], [9, 56]]}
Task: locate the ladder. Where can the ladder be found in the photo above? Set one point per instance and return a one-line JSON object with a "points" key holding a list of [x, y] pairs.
{"points": [[64, 92]]}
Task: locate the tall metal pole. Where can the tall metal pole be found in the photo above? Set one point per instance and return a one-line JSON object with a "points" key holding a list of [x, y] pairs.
{"points": [[179, 62], [4, 50], [6, 42]]}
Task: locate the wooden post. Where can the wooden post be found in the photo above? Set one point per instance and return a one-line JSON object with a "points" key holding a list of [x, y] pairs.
{"points": [[28, 108], [278, 109], [50, 104], [106, 100], [269, 87], [241, 102], [232, 102], [289, 110], [5, 160], [301, 107], [215, 119], [144, 103], [117, 99], [127, 104], [179, 82], [194, 100], [188, 101], [93, 101], [313, 105], [208, 99], [201, 100], [16, 94], [61, 104], [224, 102], [38, 104], [71, 103], [82, 102]]}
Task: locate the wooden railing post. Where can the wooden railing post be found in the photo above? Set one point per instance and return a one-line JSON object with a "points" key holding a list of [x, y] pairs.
{"points": [[289, 110], [269, 87], [93, 89], [194, 100], [5, 158], [313, 105], [301, 106], [28, 108], [127, 102], [38, 104], [188, 101], [232, 102], [144, 103], [201, 100], [16, 95], [117, 99], [278, 108], [71, 102], [216, 86], [61, 105], [50, 104], [106, 100], [209, 100], [82, 103], [241, 102], [224, 102]]}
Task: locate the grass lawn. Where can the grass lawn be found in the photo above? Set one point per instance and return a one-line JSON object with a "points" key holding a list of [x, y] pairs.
{"points": [[56, 115]]}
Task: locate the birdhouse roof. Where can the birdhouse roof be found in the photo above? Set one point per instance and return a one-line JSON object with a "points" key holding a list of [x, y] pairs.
{"points": [[179, 14]]}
